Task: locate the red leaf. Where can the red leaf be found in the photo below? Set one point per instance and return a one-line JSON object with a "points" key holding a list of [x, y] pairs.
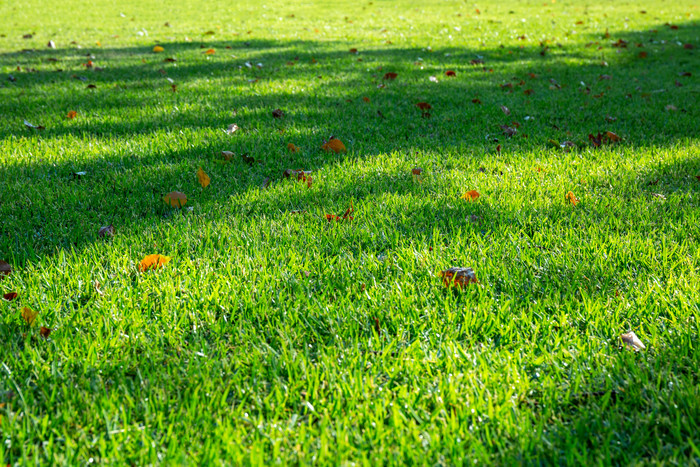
{"points": [[390, 76], [424, 106], [10, 296], [450, 73]]}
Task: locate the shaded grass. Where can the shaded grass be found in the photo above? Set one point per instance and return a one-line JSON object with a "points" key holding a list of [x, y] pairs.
{"points": [[277, 337]]}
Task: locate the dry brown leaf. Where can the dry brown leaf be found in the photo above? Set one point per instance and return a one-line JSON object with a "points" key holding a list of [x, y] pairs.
{"points": [[277, 113], [9, 296], [424, 106], [232, 128], [632, 341], [175, 199], [45, 332], [366, 99], [471, 195], [390, 76], [227, 155], [203, 178], [154, 261], [417, 174], [612, 136], [106, 231], [450, 73], [29, 315], [5, 269], [508, 131], [459, 277], [505, 110], [292, 148], [334, 145], [72, 114]]}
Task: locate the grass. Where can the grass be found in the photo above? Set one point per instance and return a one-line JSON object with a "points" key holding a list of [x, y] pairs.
{"points": [[275, 337]]}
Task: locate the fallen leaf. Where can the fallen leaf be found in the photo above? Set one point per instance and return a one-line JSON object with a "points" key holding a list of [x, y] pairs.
{"points": [[390, 76], [476, 100], [416, 172], [247, 159], [106, 231], [460, 277], [5, 268], [353, 51], [232, 128], [366, 99], [203, 178], [671, 107], [44, 331], [632, 341], [571, 198], [227, 155], [612, 136], [32, 126], [292, 148], [29, 315], [643, 54], [51, 45], [9, 296], [508, 131], [92, 86], [424, 106], [347, 215], [210, 52], [450, 73], [154, 261], [334, 145], [72, 114], [471, 195], [377, 327], [277, 113], [505, 110], [596, 141], [266, 183], [175, 199], [158, 49]]}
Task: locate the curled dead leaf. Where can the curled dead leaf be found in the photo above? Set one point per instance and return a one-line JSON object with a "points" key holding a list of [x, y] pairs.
{"points": [[203, 178], [154, 261], [5, 269], [471, 195], [9, 296], [571, 198], [44, 332], [175, 199], [334, 145], [72, 114], [459, 277], [106, 231], [632, 341]]}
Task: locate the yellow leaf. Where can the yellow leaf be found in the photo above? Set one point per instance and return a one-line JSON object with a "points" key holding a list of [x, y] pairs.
{"points": [[29, 315], [175, 199], [203, 178], [571, 198], [334, 145], [158, 49], [153, 262], [471, 195]]}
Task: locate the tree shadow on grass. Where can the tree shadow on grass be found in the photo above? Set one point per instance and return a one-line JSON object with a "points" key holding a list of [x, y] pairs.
{"points": [[152, 139]]}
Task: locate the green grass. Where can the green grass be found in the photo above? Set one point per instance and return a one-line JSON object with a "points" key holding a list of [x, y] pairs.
{"points": [[258, 342]]}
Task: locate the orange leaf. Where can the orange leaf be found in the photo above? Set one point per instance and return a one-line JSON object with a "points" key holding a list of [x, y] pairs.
{"points": [[334, 145], [390, 76], [210, 52], [424, 106], [571, 198], [293, 148], [203, 178], [29, 315], [44, 331], [158, 49], [460, 277], [175, 199], [347, 215], [72, 114], [154, 261], [471, 195]]}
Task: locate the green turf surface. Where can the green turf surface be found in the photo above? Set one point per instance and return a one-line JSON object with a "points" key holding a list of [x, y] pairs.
{"points": [[274, 336]]}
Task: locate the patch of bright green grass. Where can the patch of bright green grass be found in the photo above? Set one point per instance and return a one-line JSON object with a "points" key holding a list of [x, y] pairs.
{"points": [[274, 336]]}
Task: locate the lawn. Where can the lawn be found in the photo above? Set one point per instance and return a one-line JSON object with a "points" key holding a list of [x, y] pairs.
{"points": [[278, 333]]}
